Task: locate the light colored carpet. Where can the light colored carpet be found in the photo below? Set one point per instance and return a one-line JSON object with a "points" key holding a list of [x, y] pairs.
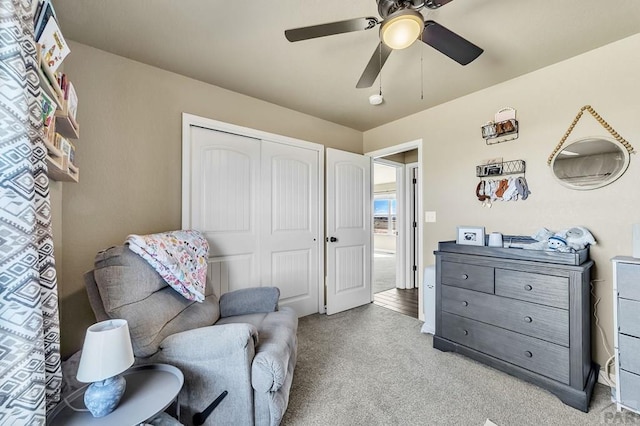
{"points": [[372, 366]]}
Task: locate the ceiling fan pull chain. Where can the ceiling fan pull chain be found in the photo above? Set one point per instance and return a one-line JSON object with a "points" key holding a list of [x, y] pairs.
{"points": [[380, 65], [421, 76]]}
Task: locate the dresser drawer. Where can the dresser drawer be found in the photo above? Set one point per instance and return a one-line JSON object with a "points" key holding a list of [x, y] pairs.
{"points": [[543, 322], [630, 389], [532, 354], [543, 289], [629, 317], [473, 277], [629, 348], [628, 277]]}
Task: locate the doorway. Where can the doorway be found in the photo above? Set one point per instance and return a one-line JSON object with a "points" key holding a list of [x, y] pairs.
{"points": [[396, 228]]}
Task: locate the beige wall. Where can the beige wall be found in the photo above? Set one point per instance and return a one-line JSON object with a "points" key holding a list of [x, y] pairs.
{"points": [[129, 155], [130, 148], [546, 102]]}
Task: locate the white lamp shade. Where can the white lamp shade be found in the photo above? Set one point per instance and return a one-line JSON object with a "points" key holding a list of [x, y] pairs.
{"points": [[401, 29], [106, 352]]}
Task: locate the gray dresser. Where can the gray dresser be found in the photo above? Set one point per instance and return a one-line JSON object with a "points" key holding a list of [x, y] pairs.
{"points": [[626, 308], [524, 312]]}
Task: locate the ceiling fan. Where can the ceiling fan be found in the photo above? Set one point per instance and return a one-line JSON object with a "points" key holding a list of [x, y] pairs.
{"points": [[401, 25]]}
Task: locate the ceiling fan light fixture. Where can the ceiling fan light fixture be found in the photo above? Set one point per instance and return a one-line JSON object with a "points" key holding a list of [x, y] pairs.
{"points": [[401, 28]]}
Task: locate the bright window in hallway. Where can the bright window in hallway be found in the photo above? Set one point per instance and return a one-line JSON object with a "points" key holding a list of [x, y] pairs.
{"points": [[384, 214]]}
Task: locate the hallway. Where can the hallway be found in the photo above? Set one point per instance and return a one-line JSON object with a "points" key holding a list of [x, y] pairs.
{"points": [[386, 295]]}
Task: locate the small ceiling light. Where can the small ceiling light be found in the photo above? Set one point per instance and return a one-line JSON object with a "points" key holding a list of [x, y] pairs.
{"points": [[376, 99], [401, 28]]}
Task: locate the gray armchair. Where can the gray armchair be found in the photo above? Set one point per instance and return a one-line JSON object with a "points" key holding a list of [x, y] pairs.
{"points": [[242, 344]]}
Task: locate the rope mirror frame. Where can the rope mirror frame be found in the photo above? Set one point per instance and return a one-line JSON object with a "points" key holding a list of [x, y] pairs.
{"points": [[602, 122]]}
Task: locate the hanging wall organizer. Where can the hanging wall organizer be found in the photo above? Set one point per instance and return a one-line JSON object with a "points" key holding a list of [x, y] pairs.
{"points": [[499, 188], [499, 169], [503, 128]]}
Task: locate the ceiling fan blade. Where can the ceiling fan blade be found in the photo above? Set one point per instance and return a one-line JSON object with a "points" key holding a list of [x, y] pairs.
{"points": [[450, 43], [379, 57], [314, 31], [434, 4]]}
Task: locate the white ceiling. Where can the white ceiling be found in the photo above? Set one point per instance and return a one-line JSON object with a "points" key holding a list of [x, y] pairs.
{"points": [[240, 46]]}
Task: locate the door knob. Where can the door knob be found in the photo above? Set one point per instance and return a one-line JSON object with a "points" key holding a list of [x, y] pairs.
{"points": [[333, 239]]}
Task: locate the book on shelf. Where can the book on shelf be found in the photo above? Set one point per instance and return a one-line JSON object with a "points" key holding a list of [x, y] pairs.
{"points": [[48, 116], [50, 132], [53, 45], [65, 147], [44, 11], [36, 8], [72, 153], [71, 98], [49, 107]]}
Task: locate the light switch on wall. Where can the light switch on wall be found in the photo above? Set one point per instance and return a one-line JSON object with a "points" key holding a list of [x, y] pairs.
{"points": [[429, 216]]}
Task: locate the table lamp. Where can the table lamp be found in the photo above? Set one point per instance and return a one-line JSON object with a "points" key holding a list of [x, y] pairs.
{"points": [[106, 353]]}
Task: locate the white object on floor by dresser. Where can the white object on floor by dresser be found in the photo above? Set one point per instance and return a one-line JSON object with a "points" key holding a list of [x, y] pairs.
{"points": [[429, 300], [626, 326]]}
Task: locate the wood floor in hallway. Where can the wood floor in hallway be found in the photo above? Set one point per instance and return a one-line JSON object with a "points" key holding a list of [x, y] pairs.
{"points": [[404, 301]]}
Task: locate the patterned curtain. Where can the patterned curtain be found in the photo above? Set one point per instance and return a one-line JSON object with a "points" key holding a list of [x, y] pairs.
{"points": [[30, 374]]}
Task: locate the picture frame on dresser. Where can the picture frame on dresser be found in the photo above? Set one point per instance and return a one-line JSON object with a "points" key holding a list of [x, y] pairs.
{"points": [[470, 235]]}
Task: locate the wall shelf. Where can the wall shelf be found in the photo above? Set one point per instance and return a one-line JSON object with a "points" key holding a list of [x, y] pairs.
{"points": [[503, 128], [59, 166], [500, 169]]}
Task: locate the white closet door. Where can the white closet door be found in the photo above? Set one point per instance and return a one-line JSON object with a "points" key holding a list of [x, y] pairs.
{"points": [[224, 205], [258, 203], [289, 224]]}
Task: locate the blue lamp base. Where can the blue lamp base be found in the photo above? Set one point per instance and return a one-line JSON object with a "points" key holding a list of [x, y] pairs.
{"points": [[103, 397]]}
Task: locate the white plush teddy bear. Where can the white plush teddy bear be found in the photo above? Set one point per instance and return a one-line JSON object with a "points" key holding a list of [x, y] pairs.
{"points": [[578, 237], [565, 241]]}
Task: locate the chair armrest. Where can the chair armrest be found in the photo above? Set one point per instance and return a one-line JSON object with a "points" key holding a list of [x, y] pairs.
{"points": [[249, 301], [206, 343], [272, 361]]}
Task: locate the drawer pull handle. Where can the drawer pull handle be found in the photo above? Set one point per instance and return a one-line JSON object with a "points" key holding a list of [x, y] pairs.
{"points": [[528, 319], [465, 332], [465, 303], [465, 276], [528, 287], [528, 354]]}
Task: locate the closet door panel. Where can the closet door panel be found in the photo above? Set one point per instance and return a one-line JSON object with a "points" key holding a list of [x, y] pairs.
{"points": [[224, 205], [289, 224]]}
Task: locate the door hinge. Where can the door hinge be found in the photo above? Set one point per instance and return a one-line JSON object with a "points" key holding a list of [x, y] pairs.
{"points": [[415, 181], [415, 224], [415, 268]]}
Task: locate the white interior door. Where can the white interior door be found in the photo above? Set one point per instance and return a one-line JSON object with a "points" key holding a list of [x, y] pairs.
{"points": [[289, 224], [349, 230]]}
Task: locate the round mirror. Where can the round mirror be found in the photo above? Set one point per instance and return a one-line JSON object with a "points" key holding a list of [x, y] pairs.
{"points": [[590, 163]]}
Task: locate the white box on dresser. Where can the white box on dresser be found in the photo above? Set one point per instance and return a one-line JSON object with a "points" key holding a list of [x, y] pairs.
{"points": [[626, 326]]}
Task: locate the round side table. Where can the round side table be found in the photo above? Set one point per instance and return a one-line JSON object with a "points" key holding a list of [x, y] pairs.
{"points": [[150, 390]]}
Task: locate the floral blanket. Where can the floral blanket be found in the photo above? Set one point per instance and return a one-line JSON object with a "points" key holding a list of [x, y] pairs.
{"points": [[180, 257]]}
